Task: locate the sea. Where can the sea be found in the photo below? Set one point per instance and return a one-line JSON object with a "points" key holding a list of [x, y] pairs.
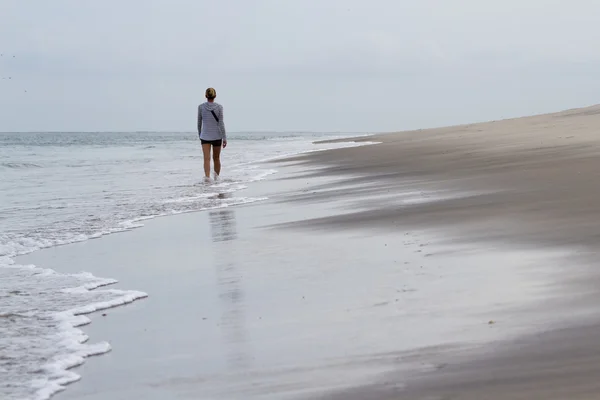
{"points": [[61, 188]]}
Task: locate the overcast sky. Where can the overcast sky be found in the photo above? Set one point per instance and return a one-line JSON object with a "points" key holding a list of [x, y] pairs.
{"points": [[317, 65]]}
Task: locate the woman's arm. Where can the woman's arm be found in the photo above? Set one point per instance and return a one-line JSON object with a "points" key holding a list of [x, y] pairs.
{"points": [[222, 127], [199, 119]]}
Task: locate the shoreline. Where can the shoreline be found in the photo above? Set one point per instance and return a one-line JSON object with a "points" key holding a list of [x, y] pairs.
{"points": [[504, 183], [365, 360]]}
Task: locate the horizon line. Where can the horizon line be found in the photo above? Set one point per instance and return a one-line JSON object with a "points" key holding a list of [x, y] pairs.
{"points": [[179, 131]]}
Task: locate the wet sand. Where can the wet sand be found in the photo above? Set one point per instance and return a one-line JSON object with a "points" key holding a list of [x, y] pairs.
{"points": [[454, 263], [240, 307]]}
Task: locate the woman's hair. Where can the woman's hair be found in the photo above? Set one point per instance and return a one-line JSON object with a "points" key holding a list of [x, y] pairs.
{"points": [[210, 93]]}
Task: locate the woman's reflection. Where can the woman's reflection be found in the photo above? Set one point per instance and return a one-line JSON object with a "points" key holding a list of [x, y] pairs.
{"points": [[223, 229], [222, 224]]}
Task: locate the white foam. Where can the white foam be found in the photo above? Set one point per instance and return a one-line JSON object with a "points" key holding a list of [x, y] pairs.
{"points": [[60, 373], [263, 175], [40, 320]]}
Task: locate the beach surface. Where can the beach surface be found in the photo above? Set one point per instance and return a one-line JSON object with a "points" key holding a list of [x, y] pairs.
{"points": [[451, 263]]}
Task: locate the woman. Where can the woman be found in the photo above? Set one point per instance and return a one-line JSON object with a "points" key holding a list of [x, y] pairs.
{"points": [[211, 130]]}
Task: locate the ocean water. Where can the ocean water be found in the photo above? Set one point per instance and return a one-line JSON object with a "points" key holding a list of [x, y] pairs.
{"points": [[60, 188]]}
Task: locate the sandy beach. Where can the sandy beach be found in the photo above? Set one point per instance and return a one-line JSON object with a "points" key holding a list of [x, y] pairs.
{"points": [[450, 263]]}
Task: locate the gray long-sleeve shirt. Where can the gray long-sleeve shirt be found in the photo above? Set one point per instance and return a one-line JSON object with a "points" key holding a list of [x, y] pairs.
{"points": [[208, 127]]}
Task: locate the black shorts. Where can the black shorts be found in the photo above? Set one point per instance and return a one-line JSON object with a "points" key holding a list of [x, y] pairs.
{"points": [[216, 143]]}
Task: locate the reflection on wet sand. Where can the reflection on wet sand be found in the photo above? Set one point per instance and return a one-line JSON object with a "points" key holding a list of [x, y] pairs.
{"points": [[231, 294]]}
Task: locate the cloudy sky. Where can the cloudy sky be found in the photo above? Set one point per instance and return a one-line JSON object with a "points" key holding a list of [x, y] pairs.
{"points": [[317, 65]]}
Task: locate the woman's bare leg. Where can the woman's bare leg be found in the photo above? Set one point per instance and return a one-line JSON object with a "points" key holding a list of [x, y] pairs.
{"points": [[206, 154], [217, 159]]}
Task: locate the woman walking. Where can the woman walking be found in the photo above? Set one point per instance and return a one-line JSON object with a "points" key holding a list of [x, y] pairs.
{"points": [[211, 130]]}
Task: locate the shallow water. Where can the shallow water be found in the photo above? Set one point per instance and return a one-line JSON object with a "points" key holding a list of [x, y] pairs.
{"points": [[59, 188]]}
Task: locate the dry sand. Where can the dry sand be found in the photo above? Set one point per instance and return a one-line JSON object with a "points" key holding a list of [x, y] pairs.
{"points": [[545, 170], [536, 183]]}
